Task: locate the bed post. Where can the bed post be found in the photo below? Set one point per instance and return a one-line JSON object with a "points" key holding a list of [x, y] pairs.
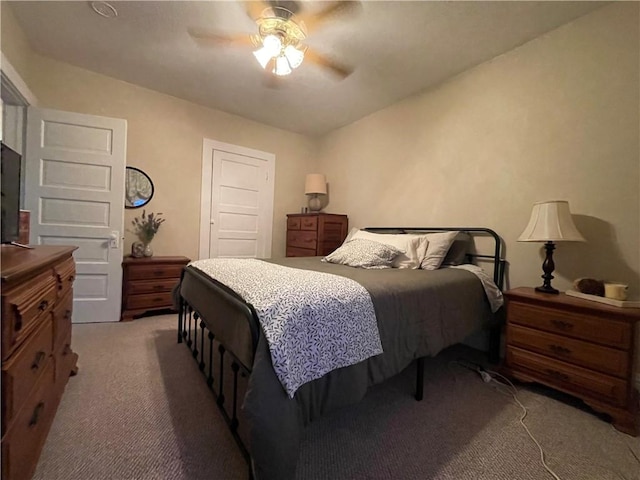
{"points": [[420, 379]]}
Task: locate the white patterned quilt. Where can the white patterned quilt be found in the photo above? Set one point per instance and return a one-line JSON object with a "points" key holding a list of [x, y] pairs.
{"points": [[314, 322]]}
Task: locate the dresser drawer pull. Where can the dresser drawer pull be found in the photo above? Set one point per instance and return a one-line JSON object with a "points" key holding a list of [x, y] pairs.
{"points": [[36, 414], [71, 279], [38, 360], [309, 240], [558, 350], [158, 273], [67, 350], [308, 224], [158, 288], [43, 305], [562, 325], [67, 314], [557, 375]]}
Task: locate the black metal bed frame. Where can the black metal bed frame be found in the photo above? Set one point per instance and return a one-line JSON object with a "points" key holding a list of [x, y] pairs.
{"points": [[203, 351]]}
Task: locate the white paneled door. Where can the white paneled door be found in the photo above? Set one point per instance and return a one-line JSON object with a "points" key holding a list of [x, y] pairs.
{"points": [[74, 188], [237, 202]]}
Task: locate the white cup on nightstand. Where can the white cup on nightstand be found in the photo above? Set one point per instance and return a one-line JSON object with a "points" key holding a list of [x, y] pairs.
{"points": [[616, 291]]}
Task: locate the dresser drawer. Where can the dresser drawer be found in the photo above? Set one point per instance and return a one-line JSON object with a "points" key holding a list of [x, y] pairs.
{"points": [[300, 252], [23, 308], [152, 286], [578, 325], [302, 239], [293, 223], [64, 360], [22, 444], [150, 300], [569, 378], [22, 371], [62, 319], [65, 273], [589, 355], [309, 223], [145, 272]]}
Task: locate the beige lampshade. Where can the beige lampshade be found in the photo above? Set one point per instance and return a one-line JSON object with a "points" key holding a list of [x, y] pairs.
{"points": [[551, 222], [315, 183]]}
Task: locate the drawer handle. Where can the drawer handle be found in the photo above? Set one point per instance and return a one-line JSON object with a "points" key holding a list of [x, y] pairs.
{"points": [[158, 299], [562, 325], [43, 305], [558, 350], [67, 350], [38, 360], [36, 414], [71, 278], [158, 273], [67, 314], [308, 224], [308, 240], [557, 375], [158, 288]]}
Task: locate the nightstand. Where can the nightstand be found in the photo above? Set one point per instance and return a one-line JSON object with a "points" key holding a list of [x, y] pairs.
{"points": [[315, 234], [147, 283], [576, 346]]}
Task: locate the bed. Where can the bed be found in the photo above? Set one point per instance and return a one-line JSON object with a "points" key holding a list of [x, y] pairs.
{"points": [[418, 313]]}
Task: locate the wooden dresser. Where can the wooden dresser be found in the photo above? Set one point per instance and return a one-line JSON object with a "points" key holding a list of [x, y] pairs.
{"points": [[37, 301], [315, 234], [147, 283], [577, 346]]}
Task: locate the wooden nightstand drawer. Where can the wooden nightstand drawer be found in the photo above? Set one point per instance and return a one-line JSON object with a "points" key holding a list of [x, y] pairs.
{"points": [[145, 272], [302, 239], [293, 223], [569, 378], [309, 223], [589, 355], [578, 325], [152, 286], [148, 301]]}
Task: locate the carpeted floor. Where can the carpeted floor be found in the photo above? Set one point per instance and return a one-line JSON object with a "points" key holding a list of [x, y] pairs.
{"points": [[139, 409]]}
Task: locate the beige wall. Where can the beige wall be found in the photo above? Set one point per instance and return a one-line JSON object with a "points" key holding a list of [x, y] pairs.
{"points": [[164, 138], [556, 118]]}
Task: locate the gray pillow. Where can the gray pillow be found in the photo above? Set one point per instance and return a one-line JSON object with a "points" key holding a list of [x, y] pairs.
{"points": [[458, 250], [363, 253]]}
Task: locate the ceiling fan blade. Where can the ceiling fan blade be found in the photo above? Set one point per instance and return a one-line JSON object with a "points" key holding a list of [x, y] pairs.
{"points": [[313, 21], [207, 38], [314, 57], [255, 8]]}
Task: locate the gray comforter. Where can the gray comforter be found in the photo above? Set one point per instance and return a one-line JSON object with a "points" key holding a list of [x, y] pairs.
{"points": [[418, 313]]}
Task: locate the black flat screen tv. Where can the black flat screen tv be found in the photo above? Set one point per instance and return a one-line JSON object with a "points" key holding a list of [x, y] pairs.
{"points": [[10, 194]]}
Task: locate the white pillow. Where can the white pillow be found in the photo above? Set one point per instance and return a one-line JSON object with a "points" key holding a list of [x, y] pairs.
{"points": [[413, 247], [363, 253], [439, 244]]}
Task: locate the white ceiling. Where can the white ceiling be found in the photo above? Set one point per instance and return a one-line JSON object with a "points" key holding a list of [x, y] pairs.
{"points": [[396, 48]]}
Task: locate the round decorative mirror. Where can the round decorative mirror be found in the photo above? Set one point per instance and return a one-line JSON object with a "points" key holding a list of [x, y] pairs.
{"points": [[138, 188]]}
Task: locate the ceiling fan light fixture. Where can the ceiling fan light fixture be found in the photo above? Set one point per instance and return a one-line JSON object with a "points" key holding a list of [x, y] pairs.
{"points": [[272, 44], [294, 56], [282, 67], [263, 56]]}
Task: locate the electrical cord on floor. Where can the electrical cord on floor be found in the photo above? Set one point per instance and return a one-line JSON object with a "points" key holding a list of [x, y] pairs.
{"points": [[489, 376]]}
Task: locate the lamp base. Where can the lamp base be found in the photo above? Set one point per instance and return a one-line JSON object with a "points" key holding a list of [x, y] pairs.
{"points": [[548, 267], [549, 289], [315, 205]]}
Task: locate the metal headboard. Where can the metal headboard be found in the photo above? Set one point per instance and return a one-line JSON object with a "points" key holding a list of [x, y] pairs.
{"points": [[498, 262]]}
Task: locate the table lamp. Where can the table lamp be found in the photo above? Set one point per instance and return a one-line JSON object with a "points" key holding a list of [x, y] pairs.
{"points": [[550, 222], [314, 185]]}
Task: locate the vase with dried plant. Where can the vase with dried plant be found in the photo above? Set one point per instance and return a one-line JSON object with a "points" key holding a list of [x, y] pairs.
{"points": [[145, 228]]}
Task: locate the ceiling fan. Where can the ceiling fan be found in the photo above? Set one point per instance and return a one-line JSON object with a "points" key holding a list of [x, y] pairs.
{"points": [[281, 32]]}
